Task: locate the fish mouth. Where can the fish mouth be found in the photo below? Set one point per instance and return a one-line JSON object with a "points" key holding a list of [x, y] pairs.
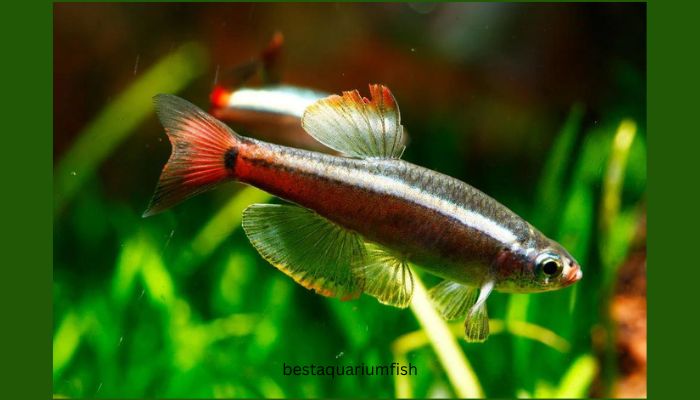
{"points": [[574, 276]]}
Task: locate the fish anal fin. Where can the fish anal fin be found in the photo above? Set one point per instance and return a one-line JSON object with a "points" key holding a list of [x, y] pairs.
{"points": [[476, 325], [315, 252], [388, 278], [452, 300], [357, 126]]}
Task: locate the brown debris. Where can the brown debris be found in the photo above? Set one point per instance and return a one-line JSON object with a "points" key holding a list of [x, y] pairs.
{"points": [[628, 312]]}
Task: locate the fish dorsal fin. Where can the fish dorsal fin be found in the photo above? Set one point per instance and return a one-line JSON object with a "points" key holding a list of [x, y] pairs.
{"points": [[315, 252], [357, 126], [476, 325], [388, 278], [452, 300]]}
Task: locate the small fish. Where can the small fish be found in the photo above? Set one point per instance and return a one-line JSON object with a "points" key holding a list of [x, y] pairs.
{"points": [[270, 99], [355, 221], [271, 112]]}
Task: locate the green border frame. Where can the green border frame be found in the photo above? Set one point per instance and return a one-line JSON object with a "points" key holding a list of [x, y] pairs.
{"points": [[27, 178], [26, 213], [672, 103]]}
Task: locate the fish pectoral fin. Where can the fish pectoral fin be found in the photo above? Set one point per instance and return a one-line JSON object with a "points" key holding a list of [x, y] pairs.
{"points": [[315, 252], [452, 300], [476, 325], [357, 126], [388, 278]]}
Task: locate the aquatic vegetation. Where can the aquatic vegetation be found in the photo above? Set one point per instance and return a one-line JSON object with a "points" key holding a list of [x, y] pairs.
{"points": [[182, 305]]}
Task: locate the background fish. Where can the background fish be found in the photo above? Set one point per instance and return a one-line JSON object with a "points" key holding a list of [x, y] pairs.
{"points": [[360, 218], [270, 112]]}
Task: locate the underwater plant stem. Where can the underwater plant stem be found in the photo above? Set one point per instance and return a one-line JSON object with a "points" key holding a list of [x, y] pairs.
{"points": [[226, 220], [451, 356]]}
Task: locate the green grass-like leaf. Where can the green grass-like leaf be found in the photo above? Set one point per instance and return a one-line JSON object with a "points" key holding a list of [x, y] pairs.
{"points": [[121, 116]]}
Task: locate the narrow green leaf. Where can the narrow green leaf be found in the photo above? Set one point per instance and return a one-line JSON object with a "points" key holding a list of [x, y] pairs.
{"points": [[65, 342], [550, 187], [120, 118], [577, 379]]}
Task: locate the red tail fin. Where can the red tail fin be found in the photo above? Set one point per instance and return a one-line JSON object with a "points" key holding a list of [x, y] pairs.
{"points": [[203, 153]]}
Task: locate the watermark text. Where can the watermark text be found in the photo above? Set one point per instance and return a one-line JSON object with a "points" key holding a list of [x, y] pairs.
{"points": [[361, 369]]}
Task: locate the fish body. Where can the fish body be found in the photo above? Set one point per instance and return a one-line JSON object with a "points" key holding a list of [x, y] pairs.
{"points": [[360, 218], [445, 225]]}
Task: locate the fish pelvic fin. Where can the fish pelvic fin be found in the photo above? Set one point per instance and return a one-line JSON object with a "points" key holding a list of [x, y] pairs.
{"points": [[452, 300], [204, 152], [388, 277], [315, 252], [357, 126]]}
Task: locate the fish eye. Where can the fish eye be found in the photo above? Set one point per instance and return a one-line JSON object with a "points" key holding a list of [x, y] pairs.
{"points": [[550, 266]]}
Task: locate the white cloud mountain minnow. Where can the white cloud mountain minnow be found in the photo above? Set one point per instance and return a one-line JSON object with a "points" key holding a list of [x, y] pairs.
{"points": [[357, 220], [271, 112]]}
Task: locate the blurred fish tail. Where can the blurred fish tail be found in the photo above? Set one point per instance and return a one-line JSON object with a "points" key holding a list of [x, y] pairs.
{"points": [[204, 153]]}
